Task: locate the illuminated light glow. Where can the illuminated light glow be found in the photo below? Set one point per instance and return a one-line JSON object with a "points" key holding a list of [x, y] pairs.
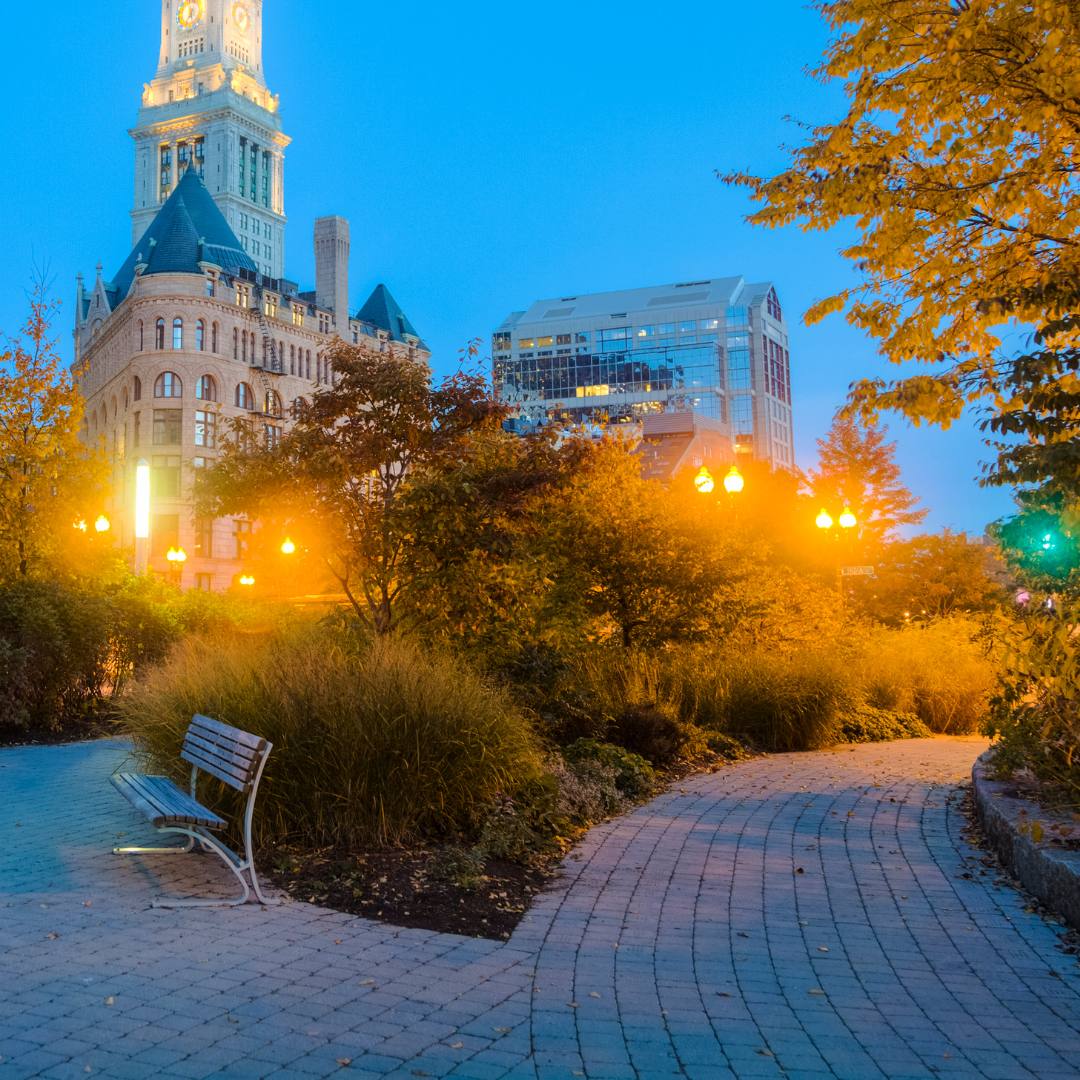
{"points": [[824, 520], [79, 526], [734, 482], [142, 501], [600, 390], [177, 556], [190, 13], [247, 580], [847, 519], [241, 17], [704, 482], [288, 547], [102, 525]]}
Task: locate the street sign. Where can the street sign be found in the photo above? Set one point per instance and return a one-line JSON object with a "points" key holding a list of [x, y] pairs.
{"points": [[857, 571]]}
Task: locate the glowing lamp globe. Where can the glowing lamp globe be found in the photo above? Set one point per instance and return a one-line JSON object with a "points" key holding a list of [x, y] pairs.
{"points": [[247, 581], [177, 556], [824, 520], [288, 547], [704, 482], [734, 482], [848, 520], [102, 525]]}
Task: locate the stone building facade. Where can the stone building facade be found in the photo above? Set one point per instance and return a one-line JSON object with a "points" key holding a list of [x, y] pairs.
{"points": [[193, 332]]}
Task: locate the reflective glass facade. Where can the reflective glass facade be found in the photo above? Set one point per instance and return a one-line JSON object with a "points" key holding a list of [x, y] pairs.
{"points": [[716, 348]]}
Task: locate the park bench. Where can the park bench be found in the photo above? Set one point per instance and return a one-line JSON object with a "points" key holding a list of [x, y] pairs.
{"points": [[228, 754]]}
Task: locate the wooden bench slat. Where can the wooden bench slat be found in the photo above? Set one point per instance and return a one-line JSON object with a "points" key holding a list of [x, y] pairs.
{"points": [[173, 804], [240, 779], [240, 756], [244, 738], [237, 756], [163, 803]]}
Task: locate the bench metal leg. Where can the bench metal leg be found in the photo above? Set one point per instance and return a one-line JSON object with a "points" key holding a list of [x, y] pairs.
{"points": [[208, 843]]}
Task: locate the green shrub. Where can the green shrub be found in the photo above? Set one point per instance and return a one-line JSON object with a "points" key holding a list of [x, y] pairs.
{"points": [[865, 723], [1036, 715], [55, 643], [374, 744], [940, 672], [635, 778]]}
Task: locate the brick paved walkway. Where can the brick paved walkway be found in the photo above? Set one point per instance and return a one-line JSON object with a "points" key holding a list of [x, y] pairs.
{"points": [[800, 916]]}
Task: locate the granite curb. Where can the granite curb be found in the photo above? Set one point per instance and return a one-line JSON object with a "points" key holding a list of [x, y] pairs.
{"points": [[1047, 870]]}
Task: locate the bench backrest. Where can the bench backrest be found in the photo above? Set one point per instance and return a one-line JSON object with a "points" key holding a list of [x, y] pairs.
{"points": [[235, 757]]}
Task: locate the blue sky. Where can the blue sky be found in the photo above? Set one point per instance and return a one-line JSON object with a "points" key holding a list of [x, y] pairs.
{"points": [[486, 155]]}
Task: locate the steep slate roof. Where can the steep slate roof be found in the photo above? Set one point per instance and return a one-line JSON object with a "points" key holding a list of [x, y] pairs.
{"points": [[384, 312], [188, 229]]}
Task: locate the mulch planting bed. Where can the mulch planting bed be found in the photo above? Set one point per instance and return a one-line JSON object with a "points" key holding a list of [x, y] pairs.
{"points": [[427, 889]]}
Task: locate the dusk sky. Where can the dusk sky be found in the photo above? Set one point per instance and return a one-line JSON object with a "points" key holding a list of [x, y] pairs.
{"points": [[486, 155]]}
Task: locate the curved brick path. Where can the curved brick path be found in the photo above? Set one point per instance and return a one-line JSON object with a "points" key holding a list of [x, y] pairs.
{"points": [[801, 916]]}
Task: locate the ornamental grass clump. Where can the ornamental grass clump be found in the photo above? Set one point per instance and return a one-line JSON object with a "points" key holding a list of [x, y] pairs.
{"points": [[374, 744], [942, 672]]}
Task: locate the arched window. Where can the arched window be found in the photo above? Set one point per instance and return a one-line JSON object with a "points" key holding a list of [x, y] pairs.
{"points": [[178, 333], [136, 389], [206, 388], [235, 344], [214, 338], [273, 403], [292, 359], [297, 407], [245, 399], [307, 366], [200, 336], [243, 348], [159, 334], [127, 399], [142, 337], [318, 370], [168, 385], [113, 408]]}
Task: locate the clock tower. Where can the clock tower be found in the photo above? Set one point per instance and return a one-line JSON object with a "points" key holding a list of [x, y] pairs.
{"points": [[208, 108]]}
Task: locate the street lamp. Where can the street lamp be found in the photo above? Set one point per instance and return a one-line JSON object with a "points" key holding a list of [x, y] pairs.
{"points": [[102, 525], [176, 558], [704, 482], [288, 547], [847, 519], [734, 482], [825, 521], [246, 580]]}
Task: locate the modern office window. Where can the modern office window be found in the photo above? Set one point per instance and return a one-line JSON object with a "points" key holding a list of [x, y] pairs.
{"points": [[168, 385]]}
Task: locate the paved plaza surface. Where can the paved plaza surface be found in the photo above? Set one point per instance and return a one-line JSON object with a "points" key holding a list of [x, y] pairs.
{"points": [[814, 915]]}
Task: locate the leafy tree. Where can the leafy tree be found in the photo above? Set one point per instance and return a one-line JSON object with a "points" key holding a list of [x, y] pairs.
{"points": [[931, 577], [629, 552], [1037, 434], [48, 479], [1041, 544], [343, 470], [857, 468], [956, 162]]}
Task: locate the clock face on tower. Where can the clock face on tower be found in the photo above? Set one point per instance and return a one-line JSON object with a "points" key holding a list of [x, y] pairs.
{"points": [[190, 13], [241, 17]]}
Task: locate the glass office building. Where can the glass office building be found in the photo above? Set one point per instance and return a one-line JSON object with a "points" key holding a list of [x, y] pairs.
{"points": [[716, 348]]}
